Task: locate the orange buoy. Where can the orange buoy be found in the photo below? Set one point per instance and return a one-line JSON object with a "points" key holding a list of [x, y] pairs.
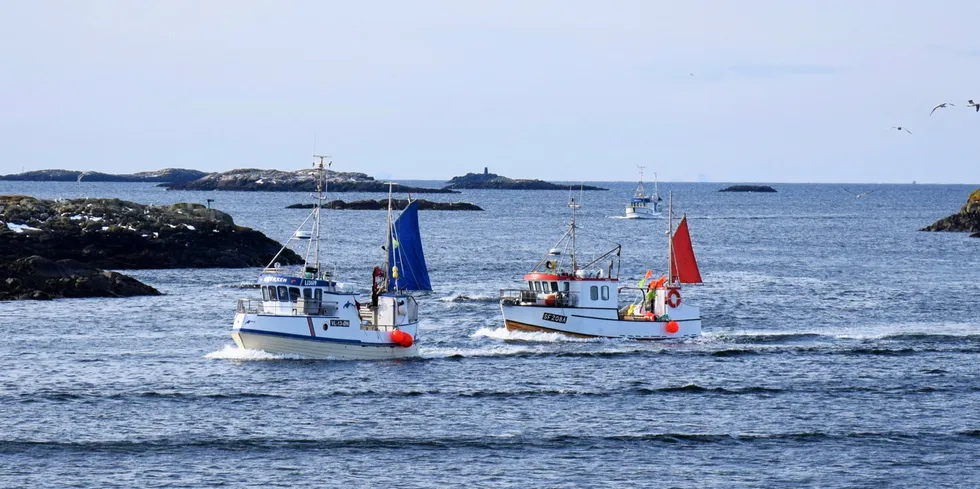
{"points": [[650, 316], [401, 338], [672, 327], [551, 299]]}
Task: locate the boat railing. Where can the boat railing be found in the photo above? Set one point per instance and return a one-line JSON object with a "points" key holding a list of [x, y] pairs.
{"points": [[249, 306], [301, 307], [526, 297]]}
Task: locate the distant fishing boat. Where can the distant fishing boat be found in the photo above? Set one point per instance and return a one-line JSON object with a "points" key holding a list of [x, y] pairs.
{"points": [[643, 206], [311, 315], [585, 300]]}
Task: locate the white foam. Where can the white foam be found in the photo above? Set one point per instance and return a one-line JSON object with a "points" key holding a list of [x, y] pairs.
{"points": [[233, 352], [538, 337]]}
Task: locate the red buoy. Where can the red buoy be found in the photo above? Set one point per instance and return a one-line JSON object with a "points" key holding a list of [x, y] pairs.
{"points": [[672, 327], [401, 338]]}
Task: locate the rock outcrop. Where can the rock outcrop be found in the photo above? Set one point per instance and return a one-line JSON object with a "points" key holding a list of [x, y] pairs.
{"points": [[967, 220], [251, 179], [115, 234], [748, 188], [487, 180], [382, 204], [36, 277], [167, 175]]}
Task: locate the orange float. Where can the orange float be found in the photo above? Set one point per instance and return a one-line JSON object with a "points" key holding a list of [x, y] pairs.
{"points": [[401, 338], [551, 299], [672, 327]]}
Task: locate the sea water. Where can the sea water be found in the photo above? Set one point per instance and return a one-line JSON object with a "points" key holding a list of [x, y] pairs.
{"points": [[841, 348]]}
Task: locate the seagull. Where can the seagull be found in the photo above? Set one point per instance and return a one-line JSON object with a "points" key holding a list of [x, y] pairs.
{"points": [[971, 103], [861, 194], [900, 128], [941, 106]]}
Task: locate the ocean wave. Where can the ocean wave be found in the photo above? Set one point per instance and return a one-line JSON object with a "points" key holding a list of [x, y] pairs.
{"points": [[463, 298], [481, 442]]}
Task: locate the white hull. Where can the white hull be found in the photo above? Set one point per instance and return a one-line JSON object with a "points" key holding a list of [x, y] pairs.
{"points": [[599, 323], [642, 213], [305, 336]]}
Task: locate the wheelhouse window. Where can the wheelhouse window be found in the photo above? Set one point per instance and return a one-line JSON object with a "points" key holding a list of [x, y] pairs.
{"points": [[294, 294], [265, 293], [537, 286], [605, 292], [283, 293], [565, 285], [318, 295], [594, 292], [554, 286], [308, 293], [530, 285]]}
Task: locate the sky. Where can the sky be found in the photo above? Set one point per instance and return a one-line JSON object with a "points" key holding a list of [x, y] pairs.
{"points": [[565, 90]]}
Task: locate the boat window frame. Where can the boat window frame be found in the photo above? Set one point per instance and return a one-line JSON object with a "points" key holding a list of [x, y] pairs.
{"points": [[294, 297], [283, 293], [554, 287], [265, 293], [530, 285], [605, 292], [594, 292], [567, 285], [537, 286], [307, 293], [317, 295]]}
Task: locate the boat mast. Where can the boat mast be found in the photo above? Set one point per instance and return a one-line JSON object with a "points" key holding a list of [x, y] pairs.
{"points": [[640, 191], [321, 183], [572, 205], [670, 237], [389, 242]]}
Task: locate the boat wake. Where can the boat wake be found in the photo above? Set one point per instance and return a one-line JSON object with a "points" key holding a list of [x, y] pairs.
{"points": [[529, 337], [233, 352]]}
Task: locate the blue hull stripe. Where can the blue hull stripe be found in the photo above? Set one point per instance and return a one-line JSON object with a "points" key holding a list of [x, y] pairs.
{"points": [[318, 338]]}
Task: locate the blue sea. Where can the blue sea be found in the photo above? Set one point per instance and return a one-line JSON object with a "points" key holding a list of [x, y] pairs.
{"points": [[841, 348]]}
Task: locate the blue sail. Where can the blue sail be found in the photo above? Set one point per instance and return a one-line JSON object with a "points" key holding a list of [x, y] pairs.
{"points": [[405, 253]]}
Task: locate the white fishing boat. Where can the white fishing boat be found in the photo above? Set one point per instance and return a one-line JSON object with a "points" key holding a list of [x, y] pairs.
{"points": [[565, 296], [308, 313], [643, 206]]}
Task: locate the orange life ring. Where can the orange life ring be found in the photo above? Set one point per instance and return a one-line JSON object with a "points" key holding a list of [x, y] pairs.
{"points": [[673, 298]]}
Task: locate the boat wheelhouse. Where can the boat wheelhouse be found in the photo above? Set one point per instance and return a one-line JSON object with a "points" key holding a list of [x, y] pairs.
{"points": [[306, 312], [586, 300]]}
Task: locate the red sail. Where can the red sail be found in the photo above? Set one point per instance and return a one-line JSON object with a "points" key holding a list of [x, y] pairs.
{"points": [[683, 266]]}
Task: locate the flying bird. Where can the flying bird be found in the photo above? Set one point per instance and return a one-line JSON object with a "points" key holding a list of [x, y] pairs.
{"points": [[900, 128], [941, 106], [971, 103]]}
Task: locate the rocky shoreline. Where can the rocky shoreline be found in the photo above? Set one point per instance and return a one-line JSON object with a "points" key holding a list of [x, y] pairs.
{"points": [[749, 188], [39, 278], [382, 204], [116, 234], [967, 220], [167, 175], [94, 234], [492, 181], [251, 179]]}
